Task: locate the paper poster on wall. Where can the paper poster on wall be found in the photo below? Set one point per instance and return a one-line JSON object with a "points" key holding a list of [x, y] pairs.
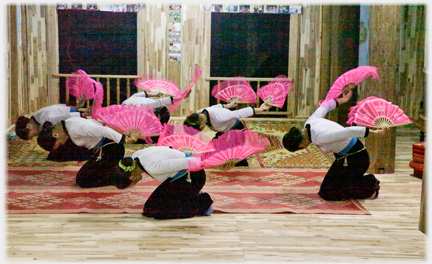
{"points": [[92, 7], [172, 26], [106, 7], [231, 8], [119, 7], [174, 6], [174, 56], [174, 47], [283, 9], [295, 9], [172, 36], [76, 6], [257, 9], [244, 8], [217, 8], [271, 9], [175, 17]]}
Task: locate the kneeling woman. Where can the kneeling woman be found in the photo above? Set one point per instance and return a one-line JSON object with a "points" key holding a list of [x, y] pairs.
{"points": [[105, 143], [179, 195]]}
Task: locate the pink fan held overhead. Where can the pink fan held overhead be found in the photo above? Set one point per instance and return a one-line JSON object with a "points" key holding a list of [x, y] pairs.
{"points": [[232, 147], [377, 112], [276, 92], [186, 91], [355, 76], [235, 89], [161, 85]]}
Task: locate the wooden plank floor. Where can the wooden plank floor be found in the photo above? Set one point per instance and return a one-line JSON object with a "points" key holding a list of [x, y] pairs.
{"points": [[390, 233]]}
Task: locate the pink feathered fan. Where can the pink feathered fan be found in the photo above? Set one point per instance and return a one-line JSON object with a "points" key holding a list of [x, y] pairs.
{"points": [[355, 76], [377, 112], [80, 84], [234, 89], [275, 93], [232, 147], [161, 85], [185, 92]]}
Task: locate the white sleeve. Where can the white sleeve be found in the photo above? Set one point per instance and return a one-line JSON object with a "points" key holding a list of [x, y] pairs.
{"points": [[94, 130], [170, 165], [57, 119], [341, 134], [140, 94], [324, 109], [213, 106], [230, 115]]}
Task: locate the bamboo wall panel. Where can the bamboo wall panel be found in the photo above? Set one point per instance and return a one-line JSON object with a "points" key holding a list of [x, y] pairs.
{"points": [[309, 61], [411, 89], [384, 54], [313, 55]]}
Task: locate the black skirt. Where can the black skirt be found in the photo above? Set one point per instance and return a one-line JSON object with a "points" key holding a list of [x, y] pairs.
{"points": [[349, 182], [179, 198], [103, 172]]}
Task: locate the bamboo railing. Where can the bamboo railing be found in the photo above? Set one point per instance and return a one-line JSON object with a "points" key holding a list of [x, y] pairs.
{"points": [[106, 79]]}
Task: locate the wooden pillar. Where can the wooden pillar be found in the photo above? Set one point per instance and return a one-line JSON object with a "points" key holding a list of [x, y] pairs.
{"points": [[383, 53], [423, 205]]}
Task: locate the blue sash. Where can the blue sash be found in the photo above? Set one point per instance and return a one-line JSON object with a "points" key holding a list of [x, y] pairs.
{"points": [[182, 172], [348, 148], [237, 122]]}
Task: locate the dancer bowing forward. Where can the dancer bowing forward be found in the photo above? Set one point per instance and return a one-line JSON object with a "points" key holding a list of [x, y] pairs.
{"points": [[345, 178], [179, 195], [104, 143], [220, 119]]}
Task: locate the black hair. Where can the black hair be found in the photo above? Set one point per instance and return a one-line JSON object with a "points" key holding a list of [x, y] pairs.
{"points": [[21, 129], [291, 140], [123, 181], [45, 138], [193, 121]]}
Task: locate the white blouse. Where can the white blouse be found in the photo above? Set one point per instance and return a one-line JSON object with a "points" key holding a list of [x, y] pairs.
{"points": [[329, 135], [55, 114], [162, 162], [88, 132], [141, 99], [223, 119]]}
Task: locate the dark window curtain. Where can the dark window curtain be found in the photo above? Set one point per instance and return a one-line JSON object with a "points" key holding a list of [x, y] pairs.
{"points": [[98, 43], [249, 45]]}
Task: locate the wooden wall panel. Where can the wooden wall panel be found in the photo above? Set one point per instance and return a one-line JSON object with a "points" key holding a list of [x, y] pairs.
{"points": [[412, 77], [313, 64], [309, 61], [384, 54]]}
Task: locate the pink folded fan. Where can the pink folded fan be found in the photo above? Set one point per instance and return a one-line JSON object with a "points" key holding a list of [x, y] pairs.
{"points": [[377, 112], [162, 85], [186, 91], [180, 128], [234, 89], [276, 92], [136, 119], [355, 76], [353, 109], [232, 147], [105, 114]]}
